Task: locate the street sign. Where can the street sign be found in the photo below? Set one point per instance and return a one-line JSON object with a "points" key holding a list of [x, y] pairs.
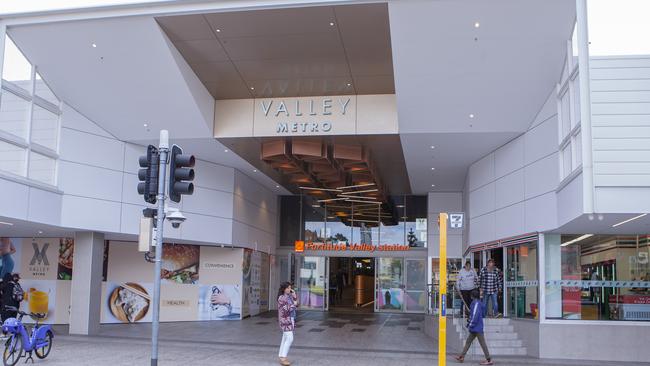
{"points": [[456, 220]]}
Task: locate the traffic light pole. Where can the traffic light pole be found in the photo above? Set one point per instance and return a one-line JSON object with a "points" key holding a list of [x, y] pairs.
{"points": [[163, 150]]}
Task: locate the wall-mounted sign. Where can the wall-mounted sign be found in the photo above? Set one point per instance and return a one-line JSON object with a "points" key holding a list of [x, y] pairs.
{"points": [[456, 220], [303, 116], [299, 246], [343, 247]]}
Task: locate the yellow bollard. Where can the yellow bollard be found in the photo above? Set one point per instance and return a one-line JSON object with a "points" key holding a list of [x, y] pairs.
{"points": [[442, 317]]}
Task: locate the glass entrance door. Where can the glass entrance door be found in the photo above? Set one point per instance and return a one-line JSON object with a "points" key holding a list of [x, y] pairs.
{"points": [[389, 284], [312, 282]]}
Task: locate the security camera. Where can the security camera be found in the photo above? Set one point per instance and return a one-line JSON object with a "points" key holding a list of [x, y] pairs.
{"points": [[176, 218]]}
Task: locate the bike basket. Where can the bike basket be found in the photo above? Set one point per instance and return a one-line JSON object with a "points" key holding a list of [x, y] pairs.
{"points": [[11, 325]]}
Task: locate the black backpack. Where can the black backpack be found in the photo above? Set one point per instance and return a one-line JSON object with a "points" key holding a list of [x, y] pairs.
{"points": [[17, 293]]}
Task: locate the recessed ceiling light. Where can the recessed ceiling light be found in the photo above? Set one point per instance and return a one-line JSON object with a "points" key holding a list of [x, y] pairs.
{"points": [[477, 24], [6, 223], [40, 231], [254, 170], [145, 125], [94, 45], [433, 147], [331, 24], [471, 115], [218, 30], [225, 150], [252, 88], [433, 168], [433, 185], [349, 84], [277, 186]]}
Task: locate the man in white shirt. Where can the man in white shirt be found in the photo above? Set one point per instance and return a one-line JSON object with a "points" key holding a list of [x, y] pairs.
{"points": [[467, 281]]}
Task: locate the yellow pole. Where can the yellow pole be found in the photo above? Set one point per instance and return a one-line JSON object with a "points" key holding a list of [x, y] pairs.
{"points": [[442, 317]]}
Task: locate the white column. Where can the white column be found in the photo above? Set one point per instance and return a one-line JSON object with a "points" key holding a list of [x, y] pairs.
{"points": [[86, 293]]}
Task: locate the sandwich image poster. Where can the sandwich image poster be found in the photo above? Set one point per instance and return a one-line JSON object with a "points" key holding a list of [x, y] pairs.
{"points": [[66, 256], [180, 263]]}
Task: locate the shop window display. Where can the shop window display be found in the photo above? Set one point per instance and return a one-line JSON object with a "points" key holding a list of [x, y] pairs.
{"points": [[521, 280], [598, 277]]}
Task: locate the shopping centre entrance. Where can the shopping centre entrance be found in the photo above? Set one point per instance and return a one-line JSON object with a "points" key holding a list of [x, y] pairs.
{"points": [[361, 284]]}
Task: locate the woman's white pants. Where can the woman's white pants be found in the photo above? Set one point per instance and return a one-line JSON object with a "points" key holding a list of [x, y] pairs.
{"points": [[287, 339]]}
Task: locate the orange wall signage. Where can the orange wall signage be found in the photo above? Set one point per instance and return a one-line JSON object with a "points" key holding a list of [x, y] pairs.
{"points": [[335, 247], [299, 246]]}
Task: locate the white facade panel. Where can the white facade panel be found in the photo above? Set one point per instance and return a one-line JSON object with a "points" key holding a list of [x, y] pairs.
{"points": [[255, 192], [542, 176], [541, 213], [90, 181], [90, 214], [130, 219], [14, 196], [132, 153], [208, 229], [509, 189], [454, 246], [44, 206], [130, 189], [214, 176], [541, 141], [482, 229], [85, 148], [509, 221], [569, 201], [481, 201], [622, 199], [209, 202], [481, 172], [509, 157], [253, 215]]}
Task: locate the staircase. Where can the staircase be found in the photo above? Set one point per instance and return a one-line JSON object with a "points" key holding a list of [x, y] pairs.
{"points": [[501, 338]]}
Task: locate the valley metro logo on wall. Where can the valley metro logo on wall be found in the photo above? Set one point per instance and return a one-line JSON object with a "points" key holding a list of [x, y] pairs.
{"points": [[39, 265], [306, 115]]}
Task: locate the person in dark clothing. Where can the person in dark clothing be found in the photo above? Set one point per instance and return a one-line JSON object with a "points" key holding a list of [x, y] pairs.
{"points": [[475, 327], [11, 294], [340, 283]]}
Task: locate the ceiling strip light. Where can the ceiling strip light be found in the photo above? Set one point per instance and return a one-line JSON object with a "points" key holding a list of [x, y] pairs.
{"points": [[364, 191], [332, 199], [375, 221], [357, 186], [361, 197], [6, 223], [320, 189], [577, 240], [376, 203], [628, 220]]}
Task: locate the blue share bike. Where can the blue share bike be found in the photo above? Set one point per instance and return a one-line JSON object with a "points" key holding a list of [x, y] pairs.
{"points": [[21, 343]]}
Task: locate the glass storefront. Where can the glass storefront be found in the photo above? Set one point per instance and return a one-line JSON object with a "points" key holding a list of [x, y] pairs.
{"points": [[311, 285], [390, 284], [597, 277], [521, 280]]}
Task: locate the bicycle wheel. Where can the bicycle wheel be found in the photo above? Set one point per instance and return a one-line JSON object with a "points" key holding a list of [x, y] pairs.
{"points": [[42, 352], [13, 350]]}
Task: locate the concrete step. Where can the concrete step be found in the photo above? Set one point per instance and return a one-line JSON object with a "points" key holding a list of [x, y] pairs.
{"points": [[489, 321], [498, 351], [492, 329]]}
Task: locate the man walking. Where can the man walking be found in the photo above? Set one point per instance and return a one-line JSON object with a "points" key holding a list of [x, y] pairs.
{"points": [[467, 282], [475, 326], [491, 286]]}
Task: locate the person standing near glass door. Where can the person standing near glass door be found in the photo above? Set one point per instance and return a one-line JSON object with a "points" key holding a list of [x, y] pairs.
{"points": [[491, 285], [466, 283]]}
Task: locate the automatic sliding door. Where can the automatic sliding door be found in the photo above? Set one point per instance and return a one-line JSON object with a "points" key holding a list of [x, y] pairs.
{"points": [[416, 294], [390, 284]]}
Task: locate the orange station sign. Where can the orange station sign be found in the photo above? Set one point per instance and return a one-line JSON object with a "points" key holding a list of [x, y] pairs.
{"points": [[301, 246]]}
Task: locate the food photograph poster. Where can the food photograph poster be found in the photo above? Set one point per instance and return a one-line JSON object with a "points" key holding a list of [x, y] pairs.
{"points": [[197, 282]]}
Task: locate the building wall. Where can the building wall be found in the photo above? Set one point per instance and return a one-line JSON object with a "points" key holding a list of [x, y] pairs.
{"points": [[511, 191], [594, 341], [255, 215], [620, 108], [444, 202]]}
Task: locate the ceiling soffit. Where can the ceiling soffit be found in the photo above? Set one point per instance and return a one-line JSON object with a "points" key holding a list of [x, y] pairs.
{"points": [[308, 51]]}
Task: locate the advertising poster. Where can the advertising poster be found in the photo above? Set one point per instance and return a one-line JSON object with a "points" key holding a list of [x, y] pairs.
{"points": [[220, 302], [39, 259], [180, 263], [391, 299], [178, 302], [40, 298], [264, 282], [246, 282], [66, 256], [127, 302]]}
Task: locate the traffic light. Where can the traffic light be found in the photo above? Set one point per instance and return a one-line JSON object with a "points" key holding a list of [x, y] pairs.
{"points": [[148, 176], [181, 174]]}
